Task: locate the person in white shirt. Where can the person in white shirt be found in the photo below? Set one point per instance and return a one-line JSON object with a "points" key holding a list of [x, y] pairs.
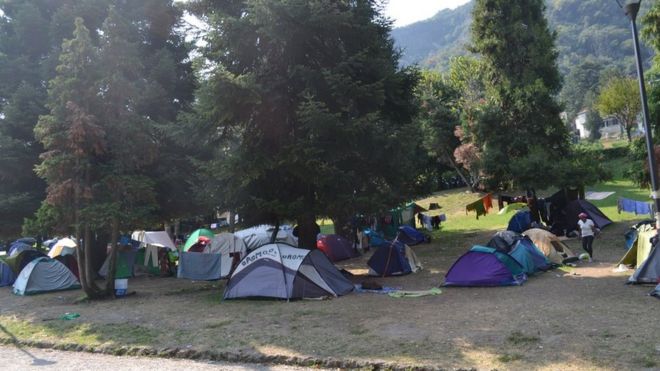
{"points": [[587, 232]]}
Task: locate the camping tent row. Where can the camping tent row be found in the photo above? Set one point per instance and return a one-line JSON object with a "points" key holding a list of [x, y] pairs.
{"points": [[508, 259], [643, 254], [522, 219], [31, 272]]}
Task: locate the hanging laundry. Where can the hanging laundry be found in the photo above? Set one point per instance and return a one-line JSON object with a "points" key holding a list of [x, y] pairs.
{"points": [[477, 206], [634, 207], [488, 202]]}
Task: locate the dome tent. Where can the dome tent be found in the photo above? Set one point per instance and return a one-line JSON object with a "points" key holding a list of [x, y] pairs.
{"points": [[44, 275], [336, 247], [394, 258], [485, 266], [278, 270], [522, 249], [555, 250]]}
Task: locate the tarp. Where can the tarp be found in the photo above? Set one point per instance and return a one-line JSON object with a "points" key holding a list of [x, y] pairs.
{"points": [[199, 266], [282, 271], [485, 266], [550, 245], [44, 275], [194, 237], [125, 265], [64, 246], [336, 247], [154, 238], [232, 249]]}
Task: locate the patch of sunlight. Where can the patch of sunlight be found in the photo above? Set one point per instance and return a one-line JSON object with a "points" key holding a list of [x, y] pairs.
{"points": [[276, 350]]}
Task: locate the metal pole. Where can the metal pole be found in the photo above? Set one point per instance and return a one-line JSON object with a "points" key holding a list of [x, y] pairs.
{"points": [[631, 11]]}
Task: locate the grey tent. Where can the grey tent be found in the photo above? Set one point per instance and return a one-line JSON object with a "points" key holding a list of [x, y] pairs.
{"points": [[199, 266], [44, 275], [278, 270], [649, 270], [260, 235]]}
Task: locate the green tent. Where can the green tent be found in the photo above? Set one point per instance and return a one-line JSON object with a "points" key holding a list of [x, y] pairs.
{"points": [[196, 235]]}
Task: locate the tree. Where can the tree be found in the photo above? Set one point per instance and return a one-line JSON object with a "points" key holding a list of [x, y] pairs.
{"points": [[438, 118], [521, 80], [651, 33], [74, 142], [594, 122], [319, 114], [582, 80], [620, 98]]}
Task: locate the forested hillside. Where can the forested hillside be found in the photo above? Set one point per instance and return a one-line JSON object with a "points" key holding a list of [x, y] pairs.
{"points": [[586, 29]]}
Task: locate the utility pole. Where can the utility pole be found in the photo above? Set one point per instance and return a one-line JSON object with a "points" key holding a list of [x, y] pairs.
{"points": [[632, 9]]}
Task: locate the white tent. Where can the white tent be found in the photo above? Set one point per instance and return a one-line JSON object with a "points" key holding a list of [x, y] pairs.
{"points": [[154, 238], [260, 235]]}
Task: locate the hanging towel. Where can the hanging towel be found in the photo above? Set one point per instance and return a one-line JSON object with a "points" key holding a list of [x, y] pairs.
{"points": [[488, 202], [477, 206]]}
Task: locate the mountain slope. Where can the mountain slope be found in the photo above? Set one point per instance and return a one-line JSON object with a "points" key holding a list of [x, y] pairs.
{"points": [[585, 28]]}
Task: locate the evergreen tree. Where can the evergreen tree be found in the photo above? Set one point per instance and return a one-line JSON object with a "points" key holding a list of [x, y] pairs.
{"points": [[320, 115], [520, 112], [74, 142]]}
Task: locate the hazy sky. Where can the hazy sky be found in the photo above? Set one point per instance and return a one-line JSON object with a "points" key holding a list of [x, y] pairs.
{"points": [[405, 12]]}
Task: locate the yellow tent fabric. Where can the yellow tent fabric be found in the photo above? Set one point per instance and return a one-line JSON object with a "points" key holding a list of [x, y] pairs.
{"points": [[513, 207], [65, 246], [549, 244], [640, 250]]}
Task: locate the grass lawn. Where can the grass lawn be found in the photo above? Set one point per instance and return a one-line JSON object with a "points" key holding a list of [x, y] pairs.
{"points": [[582, 318]]}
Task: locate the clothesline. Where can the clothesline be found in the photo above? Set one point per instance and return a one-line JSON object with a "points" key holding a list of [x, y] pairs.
{"points": [[481, 206], [634, 206]]}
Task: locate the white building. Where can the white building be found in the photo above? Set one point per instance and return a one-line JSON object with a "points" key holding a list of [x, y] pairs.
{"points": [[581, 124]]}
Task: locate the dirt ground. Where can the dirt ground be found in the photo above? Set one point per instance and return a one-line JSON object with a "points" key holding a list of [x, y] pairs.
{"points": [[584, 318]]}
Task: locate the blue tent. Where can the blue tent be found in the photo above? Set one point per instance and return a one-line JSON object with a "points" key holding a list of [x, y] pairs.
{"points": [[18, 247], [410, 236], [375, 238], [529, 256], [393, 259], [520, 222], [7, 276]]}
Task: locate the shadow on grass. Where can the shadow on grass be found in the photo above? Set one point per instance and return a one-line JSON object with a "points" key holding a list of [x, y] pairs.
{"points": [[36, 361]]}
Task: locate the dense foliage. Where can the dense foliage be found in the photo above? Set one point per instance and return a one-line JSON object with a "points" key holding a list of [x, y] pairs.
{"points": [[310, 100]]}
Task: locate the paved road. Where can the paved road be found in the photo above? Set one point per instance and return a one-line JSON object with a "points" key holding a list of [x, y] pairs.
{"points": [[20, 359]]}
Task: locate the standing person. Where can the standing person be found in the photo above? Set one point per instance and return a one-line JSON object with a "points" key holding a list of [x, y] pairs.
{"points": [[587, 232]]}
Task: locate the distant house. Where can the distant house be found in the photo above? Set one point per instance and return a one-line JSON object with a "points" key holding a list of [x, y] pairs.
{"points": [[613, 128]]}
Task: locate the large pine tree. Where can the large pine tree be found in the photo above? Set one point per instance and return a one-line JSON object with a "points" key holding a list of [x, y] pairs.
{"points": [[520, 116], [312, 97]]}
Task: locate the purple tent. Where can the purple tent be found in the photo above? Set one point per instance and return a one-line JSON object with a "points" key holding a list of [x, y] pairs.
{"points": [[485, 266], [336, 247]]}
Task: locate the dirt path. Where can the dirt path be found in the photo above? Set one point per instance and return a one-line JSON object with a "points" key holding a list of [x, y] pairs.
{"points": [[39, 359]]}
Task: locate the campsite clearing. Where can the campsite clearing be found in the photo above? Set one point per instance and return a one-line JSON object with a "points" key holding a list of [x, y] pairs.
{"points": [[579, 318]]}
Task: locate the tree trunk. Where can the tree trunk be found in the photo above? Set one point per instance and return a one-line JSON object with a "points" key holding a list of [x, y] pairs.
{"points": [[112, 265], [628, 130], [459, 172], [307, 231]]}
